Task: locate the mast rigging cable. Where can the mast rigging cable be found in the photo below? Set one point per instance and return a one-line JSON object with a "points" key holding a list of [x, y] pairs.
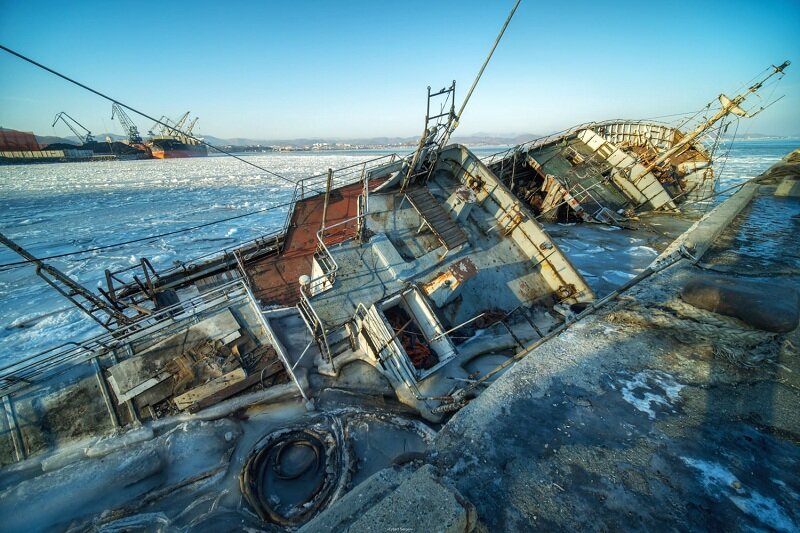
{"points": [[145, 115]]}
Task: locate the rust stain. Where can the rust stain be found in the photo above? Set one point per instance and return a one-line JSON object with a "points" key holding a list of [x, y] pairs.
{"points": [[527, 292], [463, 269], [440, 279], [275, 278]]}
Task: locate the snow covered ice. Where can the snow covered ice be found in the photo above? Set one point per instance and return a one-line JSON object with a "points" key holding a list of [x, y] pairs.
{"points": [[59, 208]]}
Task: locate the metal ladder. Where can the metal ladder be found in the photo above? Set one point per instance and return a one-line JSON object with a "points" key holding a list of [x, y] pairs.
{"points": [[435, 134], [316, 327]]}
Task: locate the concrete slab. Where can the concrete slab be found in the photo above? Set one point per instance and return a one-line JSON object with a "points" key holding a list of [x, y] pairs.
{"points": [[355, 503], [618, 426], [421, 503]]}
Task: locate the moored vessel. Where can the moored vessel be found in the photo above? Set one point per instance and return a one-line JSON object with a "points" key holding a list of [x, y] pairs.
{"points": [[171, 141], [173, 148]]}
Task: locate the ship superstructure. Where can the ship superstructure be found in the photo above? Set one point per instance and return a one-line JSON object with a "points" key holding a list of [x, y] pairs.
{"points": [[169, 140], [611, 171]]}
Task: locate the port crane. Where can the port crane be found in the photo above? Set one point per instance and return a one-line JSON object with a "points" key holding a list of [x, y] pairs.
{"points": [[84, 138], [176, 130], [167, 128], [159, 128], [127, 124], [190, 127]]}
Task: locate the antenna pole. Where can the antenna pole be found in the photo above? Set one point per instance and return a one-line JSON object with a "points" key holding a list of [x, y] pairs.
{"points": [[728, 106], [457, 117]]}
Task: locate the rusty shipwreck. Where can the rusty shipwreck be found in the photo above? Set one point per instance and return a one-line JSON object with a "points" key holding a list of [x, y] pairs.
{"points": [[425, 268], [611, 171]]}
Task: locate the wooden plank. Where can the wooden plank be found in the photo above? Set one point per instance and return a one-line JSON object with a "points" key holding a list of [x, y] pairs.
{"points": [[128, 375], [231, 337], [187, 399], [123, 397], [236, 388]]}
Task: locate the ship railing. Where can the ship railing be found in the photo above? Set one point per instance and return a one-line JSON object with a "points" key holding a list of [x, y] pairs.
{"points": [[538, 142], [182, 272], [247, 250], [305, 188], [315, 324], [31, 370], [527, 146], [240, 254], [326, 261], [273, 241], [314, 185], [324, 257], [389, 348]]}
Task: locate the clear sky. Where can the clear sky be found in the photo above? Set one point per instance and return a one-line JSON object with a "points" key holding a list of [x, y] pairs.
{"points": [[282, 70]]}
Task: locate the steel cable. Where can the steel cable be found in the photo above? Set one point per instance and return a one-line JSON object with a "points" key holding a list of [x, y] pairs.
{"points": [[140, 113]]}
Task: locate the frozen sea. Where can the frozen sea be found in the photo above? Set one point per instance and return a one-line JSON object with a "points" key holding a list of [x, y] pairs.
{"points": [[59, 208]]}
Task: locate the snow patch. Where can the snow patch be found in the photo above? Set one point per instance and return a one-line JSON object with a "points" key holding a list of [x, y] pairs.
{"points": [[642, 251], [720, 482], [648, 389]]}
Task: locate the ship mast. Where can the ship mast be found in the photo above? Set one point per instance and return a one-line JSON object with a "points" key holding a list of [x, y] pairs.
{"points": [[454, 118], [438, 134], [729, 106]]}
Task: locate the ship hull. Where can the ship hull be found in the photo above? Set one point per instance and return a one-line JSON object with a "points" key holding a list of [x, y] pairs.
{"points": [[175, 150]]}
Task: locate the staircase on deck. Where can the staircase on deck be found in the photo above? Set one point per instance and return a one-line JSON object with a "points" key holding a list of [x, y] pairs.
{"points": [[450, 234]]}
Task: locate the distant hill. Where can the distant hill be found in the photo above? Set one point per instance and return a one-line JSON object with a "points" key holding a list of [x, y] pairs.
{"points": [[244, 141], [478, 139], [44, 140], [52, 139], [473, 140]]}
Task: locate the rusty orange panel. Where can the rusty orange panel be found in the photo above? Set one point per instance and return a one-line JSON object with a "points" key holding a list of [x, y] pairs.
{"points": [[275, 279]]}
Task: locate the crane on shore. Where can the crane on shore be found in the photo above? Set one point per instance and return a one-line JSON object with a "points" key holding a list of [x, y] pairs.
{"points": [[85, 138], [127, 124]]}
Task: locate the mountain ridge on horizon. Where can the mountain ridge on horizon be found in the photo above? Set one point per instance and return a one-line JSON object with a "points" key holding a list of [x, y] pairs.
{"points": [[486, 139]]}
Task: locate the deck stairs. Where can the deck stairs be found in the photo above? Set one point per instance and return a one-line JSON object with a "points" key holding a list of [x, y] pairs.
{"points": [[450, 234]]}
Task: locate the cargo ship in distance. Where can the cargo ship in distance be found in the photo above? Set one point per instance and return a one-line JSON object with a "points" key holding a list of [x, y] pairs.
{"points": [[173, 148], [170, 141]]}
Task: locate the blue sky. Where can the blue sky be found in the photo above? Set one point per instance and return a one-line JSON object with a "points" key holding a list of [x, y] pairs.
{"points": [[281, 70]]}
